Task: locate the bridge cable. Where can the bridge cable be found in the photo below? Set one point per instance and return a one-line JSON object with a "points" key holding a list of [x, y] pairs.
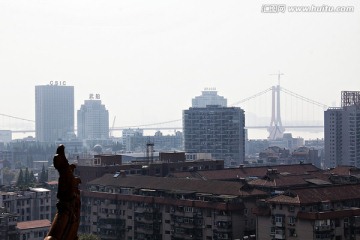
{"points": [[251, 97], [18, 118], [304, 98]]}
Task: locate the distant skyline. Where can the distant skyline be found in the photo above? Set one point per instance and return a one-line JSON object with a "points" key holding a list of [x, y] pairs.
{"points": [[148, 59]]}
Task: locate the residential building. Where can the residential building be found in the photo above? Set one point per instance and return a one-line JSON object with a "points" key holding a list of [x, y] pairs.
{"points": [[54, 112], [164, 164], [33, 204], [331, 212], [275, 155], [249, 173], [33, 230], [342, 132], [93, 120], [142, 207], [8, 225], [5, 136], [135, 141], [306, 155], [217, 130]]}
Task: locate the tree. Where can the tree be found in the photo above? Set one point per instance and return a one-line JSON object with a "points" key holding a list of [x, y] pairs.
{"points": [[32, 178], [87, 236], [8, 176], [20, 181], [27, 176], [43, 175]]}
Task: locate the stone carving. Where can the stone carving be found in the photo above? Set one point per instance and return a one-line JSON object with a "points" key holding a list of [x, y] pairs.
{"points": [[67, 219]]}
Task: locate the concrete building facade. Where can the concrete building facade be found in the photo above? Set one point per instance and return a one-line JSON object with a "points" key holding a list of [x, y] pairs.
{"points": [[93, 120], [217, 130], [209, 97], [33, 230], [8, 225], [330, 212], [342, 132], [33, 204], [54, 112], [143, 207]]}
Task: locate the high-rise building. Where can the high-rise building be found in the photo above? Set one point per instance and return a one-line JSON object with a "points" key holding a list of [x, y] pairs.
{"points": [[93, 120], [342, 132], [209, 97], [54, 112], [215, 129]]}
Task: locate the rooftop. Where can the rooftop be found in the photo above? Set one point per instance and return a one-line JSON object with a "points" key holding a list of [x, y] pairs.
{"points": [[177, 185], [319, 194], [33, 224], [245, 172], [39, 189]]}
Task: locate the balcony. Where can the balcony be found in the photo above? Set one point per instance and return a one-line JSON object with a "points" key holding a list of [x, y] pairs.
{"points": [[279, 236], [279, 224], [323, 228]]}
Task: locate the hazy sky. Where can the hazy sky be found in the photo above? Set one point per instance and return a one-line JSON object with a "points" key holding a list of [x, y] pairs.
{"points": [[148, 59]]}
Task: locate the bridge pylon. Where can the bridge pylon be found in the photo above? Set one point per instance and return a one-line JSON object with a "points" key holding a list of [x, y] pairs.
{"points": [[276, 129]]}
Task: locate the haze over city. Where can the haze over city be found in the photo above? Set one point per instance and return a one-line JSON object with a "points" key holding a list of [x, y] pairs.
{"points": [[148, 59], [234, 120]]}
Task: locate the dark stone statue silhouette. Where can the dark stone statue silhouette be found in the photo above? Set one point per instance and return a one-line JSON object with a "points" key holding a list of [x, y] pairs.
{"points": [[67, 219]]}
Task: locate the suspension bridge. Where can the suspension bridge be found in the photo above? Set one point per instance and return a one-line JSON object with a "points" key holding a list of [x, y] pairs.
{"points": [[285, 111]]}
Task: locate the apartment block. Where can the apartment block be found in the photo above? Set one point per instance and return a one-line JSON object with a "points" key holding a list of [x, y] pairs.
{"points": [[166, 163], [342, 132], [33, 204], [217, 130], [8, 225], [33, 230], [143, 207], [331, 212]]}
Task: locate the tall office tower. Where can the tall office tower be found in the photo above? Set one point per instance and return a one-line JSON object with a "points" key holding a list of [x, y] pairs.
{"points": [[215, 129], [54, 112], [93, 120], [209, 97], [342, 132]]}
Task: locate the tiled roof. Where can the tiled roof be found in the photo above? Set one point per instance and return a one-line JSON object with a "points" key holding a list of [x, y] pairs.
{"points": [[52, 183], [345, 170], [285, 199], [33, 224], [244, 172], [289, 181], [176, 184], [319, 194], [329, 214]]}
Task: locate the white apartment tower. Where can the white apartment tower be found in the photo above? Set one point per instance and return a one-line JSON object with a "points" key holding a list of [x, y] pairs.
{"points": [[93, 120]]}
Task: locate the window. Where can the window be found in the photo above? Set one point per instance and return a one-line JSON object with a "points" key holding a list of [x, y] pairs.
{"points": [[279, 218], [245, 211], [292, 220], [291, 208], [292, 232], [188, 209]]}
